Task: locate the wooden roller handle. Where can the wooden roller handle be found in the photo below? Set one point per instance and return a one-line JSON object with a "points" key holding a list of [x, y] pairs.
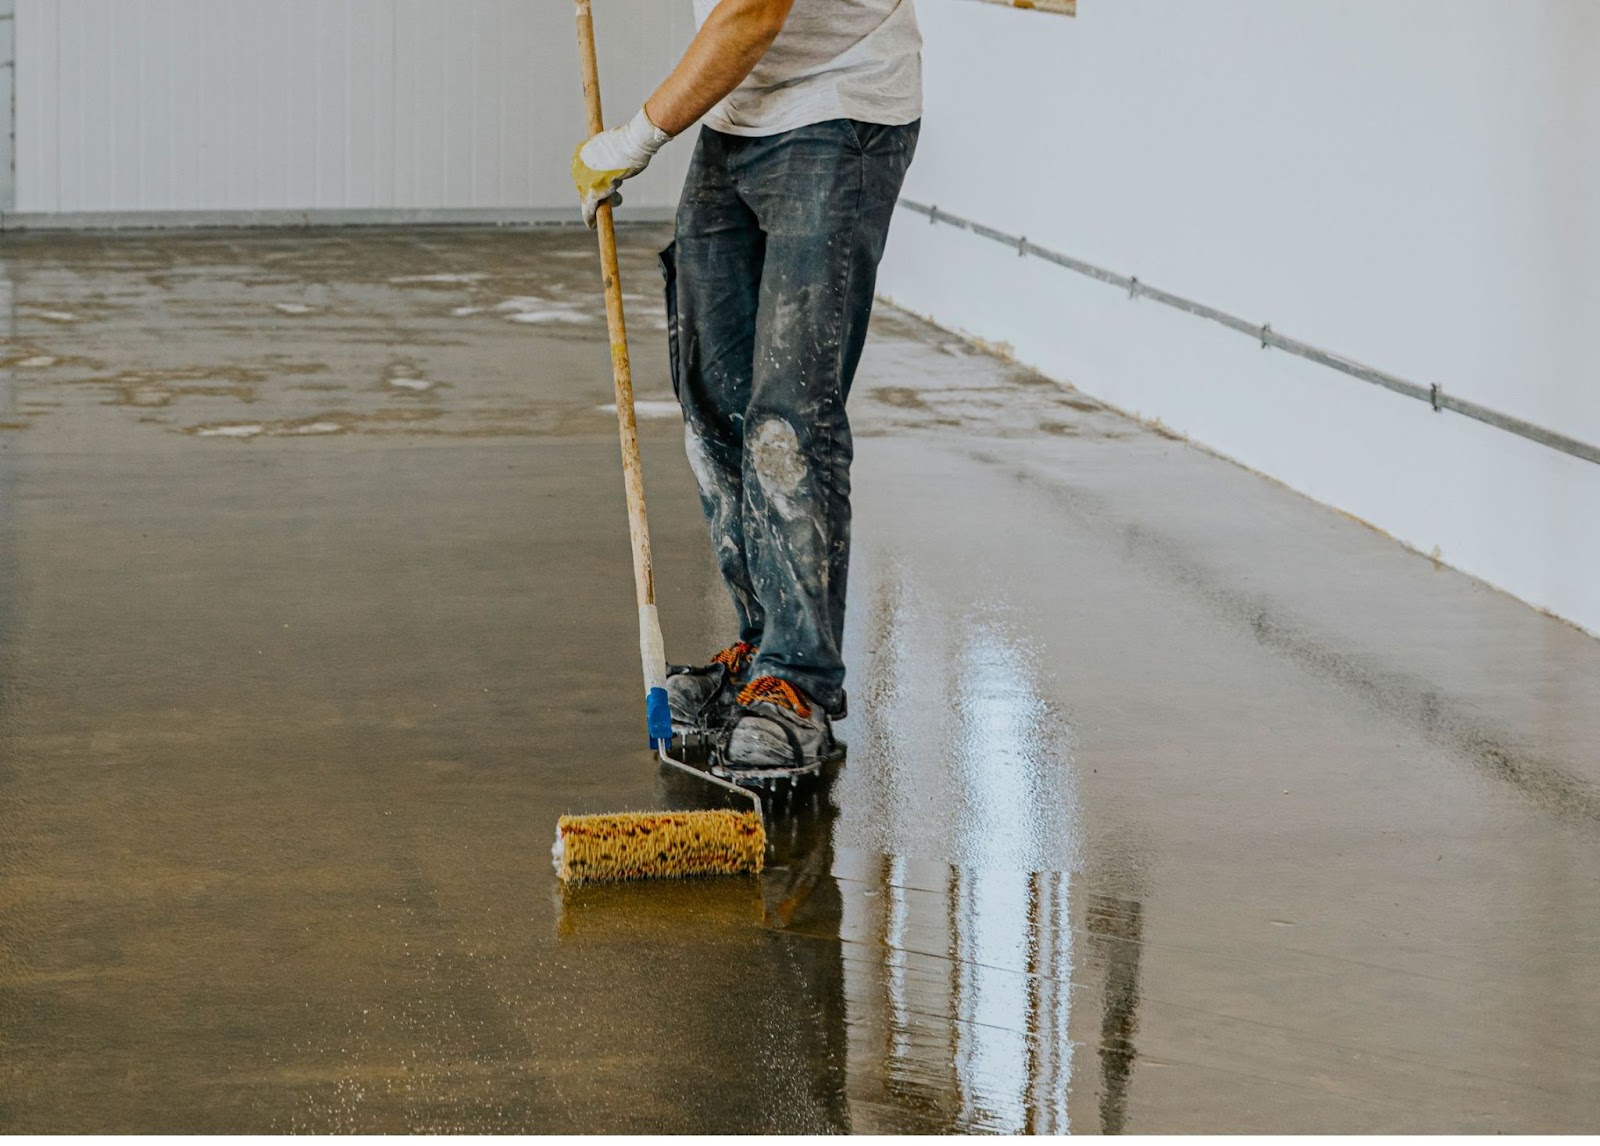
{"points": [[621, 370]]}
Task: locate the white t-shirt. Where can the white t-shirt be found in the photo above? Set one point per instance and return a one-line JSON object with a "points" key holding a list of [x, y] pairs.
{"points": [[834, 59]]}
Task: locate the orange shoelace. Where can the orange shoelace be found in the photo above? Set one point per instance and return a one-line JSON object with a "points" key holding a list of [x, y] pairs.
{"points": [[774, 690], [736, 657]]}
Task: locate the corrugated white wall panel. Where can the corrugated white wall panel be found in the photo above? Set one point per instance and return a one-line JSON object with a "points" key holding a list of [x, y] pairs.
{"points": [[7, 75], [261, 105]]}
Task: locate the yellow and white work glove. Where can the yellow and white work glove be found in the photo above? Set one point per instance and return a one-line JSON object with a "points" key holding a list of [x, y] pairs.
{"points": [[600, 166]]}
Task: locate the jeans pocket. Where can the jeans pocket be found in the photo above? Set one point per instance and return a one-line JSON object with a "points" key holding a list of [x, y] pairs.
{"points": [[887, 140], [669, 274]]}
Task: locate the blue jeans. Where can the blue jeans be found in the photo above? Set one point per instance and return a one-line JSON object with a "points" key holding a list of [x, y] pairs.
{"points": [[769, 288]]}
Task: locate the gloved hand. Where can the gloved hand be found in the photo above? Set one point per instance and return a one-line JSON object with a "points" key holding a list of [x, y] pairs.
{"points": [[600, 166]]}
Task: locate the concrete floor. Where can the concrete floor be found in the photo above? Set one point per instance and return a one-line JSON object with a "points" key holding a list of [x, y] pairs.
{"points": [[1174, 801]]}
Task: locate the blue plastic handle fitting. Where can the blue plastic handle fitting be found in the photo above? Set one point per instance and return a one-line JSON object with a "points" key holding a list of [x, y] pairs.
{"points": [[658, 718]]}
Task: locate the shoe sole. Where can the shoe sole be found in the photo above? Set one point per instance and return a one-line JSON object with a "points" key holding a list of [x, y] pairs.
{"points": [[698, 739], [771, 776]]}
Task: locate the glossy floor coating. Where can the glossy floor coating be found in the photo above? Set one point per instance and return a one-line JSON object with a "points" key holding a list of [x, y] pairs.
{"points": [[1174, 801]]}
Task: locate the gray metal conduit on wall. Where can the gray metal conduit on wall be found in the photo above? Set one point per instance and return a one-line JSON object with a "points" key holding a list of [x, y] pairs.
{"points": [[1263, 333]]}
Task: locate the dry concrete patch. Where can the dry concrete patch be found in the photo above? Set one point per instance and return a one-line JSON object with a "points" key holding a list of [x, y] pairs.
{"points": [[905, 397], [18, 355], [142, 393]]}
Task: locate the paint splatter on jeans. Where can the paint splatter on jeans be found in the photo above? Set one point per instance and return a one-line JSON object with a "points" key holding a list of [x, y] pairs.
{"points": [[769, 288]]}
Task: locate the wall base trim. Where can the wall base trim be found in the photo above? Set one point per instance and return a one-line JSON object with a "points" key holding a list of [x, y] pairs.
{"points": [[318, 217]]}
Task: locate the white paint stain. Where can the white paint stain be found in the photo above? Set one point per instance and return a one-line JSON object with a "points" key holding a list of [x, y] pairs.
{"points": [[779, 466], [647, 408], [473, 277], [36, 361], [529, 309], [231, 431], [411, 383], [550, 316], [725, 504], [463, 311], [319, 428], [293, 308]]}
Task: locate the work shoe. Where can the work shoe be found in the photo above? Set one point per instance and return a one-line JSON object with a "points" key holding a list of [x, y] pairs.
{"points": [[776, 729], [703, 697]]}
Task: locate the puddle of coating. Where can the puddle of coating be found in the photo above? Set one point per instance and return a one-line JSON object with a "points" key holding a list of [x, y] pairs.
{"points": [[905, 397], [37, 361], [411, 383], [464, 311], [318, 428], [53, 315], [648, 408], [286, 731], [294, 308], [229, 431]]}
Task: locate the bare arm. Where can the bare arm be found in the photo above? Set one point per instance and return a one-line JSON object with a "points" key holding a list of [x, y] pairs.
{"points": [[730, 43]]}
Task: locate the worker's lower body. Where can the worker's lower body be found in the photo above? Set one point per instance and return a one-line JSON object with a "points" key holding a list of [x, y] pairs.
{"points": [[770, 283]]}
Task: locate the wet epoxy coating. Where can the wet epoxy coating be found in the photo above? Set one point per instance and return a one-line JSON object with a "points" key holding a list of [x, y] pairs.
{"points": [[1174, 802]]}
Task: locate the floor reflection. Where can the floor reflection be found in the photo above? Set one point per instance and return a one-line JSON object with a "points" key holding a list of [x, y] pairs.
{"points": [[1115, 941], [954, 856], [909, 994], [958, 989]]}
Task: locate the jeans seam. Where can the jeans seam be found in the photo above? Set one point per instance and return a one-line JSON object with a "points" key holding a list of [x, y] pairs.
{"points": [[829, 489]]}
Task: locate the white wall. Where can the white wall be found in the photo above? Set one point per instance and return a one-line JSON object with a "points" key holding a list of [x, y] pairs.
{"points": [[263, 105], [1414, 184], [7, 169]]}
